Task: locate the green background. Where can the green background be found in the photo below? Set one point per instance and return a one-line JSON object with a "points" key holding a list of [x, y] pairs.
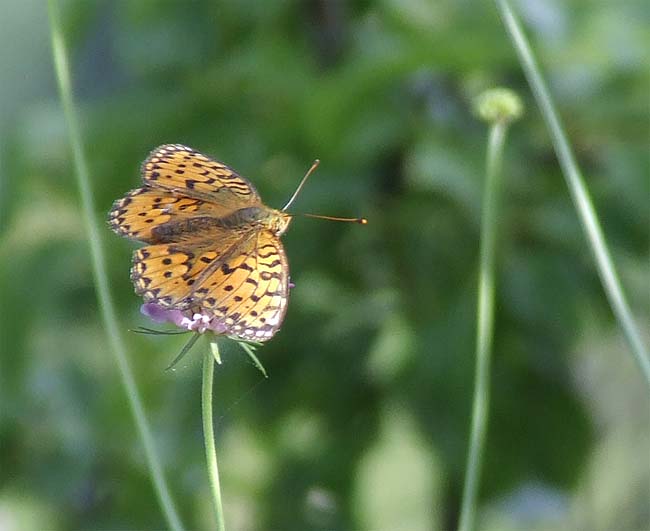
{"points": [[363, 423]]}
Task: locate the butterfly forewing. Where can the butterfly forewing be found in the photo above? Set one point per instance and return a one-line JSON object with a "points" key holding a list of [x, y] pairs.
{"points": [[182, 170], [138, 213]]}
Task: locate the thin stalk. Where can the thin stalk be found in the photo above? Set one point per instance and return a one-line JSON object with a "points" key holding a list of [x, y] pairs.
{"points": [[99, 273], [485, 326], [579, 192], [208, 435]]}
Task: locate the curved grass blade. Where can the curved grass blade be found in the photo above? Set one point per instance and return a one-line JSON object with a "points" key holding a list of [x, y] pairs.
{"points": [[579, 192], [99, 272]]}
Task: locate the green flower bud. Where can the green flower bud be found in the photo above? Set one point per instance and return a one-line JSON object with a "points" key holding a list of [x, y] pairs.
{"points": [[498, 105]]}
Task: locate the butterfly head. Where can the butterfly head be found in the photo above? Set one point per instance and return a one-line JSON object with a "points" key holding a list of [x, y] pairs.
{"points": [[278, 222]]}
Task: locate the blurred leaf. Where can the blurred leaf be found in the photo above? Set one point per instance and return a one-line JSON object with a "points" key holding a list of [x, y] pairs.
{"points": [[398, 480]]}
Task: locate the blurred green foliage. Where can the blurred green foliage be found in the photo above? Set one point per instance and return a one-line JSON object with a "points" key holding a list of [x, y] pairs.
{"points": [[363, 423]]}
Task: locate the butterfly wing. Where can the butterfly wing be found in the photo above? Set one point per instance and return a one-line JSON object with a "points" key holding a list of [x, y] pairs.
{"points": [[180, 169], [167, 273], [244, 288], [247, 291], [180, 184], [139, 213]]}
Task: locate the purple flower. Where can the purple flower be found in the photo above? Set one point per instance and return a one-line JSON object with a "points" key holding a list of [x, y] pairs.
{"points": [[184, 319], [161, 315]]}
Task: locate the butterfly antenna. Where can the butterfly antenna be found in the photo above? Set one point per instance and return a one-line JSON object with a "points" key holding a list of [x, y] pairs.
{"points": [[361, 221], [311, 170], [302, 183]]}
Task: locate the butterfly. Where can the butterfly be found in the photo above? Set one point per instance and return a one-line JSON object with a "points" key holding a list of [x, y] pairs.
{"points": [[213, 248]]}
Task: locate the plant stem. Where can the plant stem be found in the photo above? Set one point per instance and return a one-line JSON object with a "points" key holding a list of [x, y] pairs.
{"points": [[579, 193], [99, 273], [208, 435], [484, 329]]}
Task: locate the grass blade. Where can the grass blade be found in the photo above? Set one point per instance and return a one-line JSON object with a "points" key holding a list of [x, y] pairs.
{"points": [[101, 280], [579, 192]]}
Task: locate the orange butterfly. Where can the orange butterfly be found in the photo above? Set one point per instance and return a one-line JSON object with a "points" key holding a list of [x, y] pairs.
{"points": [[214, 258]]}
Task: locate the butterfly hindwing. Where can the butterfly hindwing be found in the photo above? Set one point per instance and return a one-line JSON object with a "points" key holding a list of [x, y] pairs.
{"points": [[168, 273], [247, 291], [158, 274]]}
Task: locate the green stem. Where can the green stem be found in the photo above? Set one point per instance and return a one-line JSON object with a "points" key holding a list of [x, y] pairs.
{"points": [[99, 273], [579, 193], [208, 435], [485, 326]]}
